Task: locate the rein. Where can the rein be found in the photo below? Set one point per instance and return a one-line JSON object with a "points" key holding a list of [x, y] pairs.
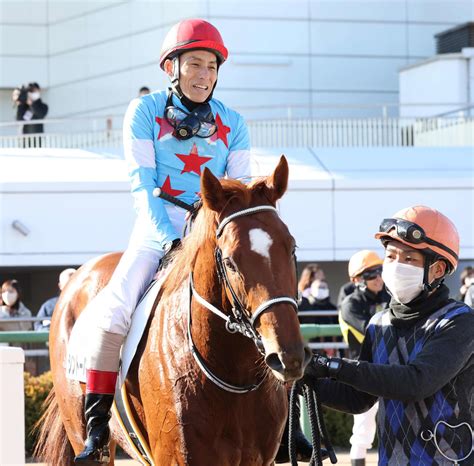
{"points": [[241, 320]]}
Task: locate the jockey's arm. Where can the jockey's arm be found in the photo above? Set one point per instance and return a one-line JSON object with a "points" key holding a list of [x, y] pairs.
{"points": [[238, 160], [140, 157]]}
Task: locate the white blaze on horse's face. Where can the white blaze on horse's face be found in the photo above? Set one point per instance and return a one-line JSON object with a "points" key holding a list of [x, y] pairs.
{"points": [[260, 242]]}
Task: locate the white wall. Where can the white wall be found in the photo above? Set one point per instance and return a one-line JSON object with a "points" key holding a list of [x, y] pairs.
{"points": [[94, 56], [77, 204], [23, 43], [443, 79]]}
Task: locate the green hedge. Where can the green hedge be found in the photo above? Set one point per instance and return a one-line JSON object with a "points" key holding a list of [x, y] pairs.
{"points": [[339, 424], [36, 391]]}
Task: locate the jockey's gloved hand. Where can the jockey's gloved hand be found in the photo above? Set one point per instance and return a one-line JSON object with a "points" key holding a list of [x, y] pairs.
{"points": [[321, 366], [168, 249]]}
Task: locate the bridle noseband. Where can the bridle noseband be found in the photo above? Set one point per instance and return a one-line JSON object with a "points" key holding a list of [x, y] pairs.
{"points": [[241, 320]]}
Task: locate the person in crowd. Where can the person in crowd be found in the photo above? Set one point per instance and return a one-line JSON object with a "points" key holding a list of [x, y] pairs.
{"points": [[369, 296], [29, 107], [47, 308], [467, 279], [169, 137], [11, 306], [417, 358], [469, 297], [310, 273], [144, 91], [318, 299]]}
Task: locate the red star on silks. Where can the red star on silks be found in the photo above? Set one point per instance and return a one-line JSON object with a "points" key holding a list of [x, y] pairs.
{"points": [[222, 131], [169, 190], [192, 161], [165, 127]]}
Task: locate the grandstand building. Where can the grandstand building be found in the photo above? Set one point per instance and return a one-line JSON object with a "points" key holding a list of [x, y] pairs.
{"points": [[371, 117]]}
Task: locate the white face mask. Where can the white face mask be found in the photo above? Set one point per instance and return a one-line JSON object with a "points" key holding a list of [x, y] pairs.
{"points": [[404, 281], [9, 297], [34, 95], [318, 292]]}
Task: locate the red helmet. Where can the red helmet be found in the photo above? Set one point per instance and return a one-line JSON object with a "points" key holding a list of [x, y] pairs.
{"points": [[192, 34]]}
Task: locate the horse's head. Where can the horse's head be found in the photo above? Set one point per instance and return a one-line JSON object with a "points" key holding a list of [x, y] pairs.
{"points": [[255, 256]]}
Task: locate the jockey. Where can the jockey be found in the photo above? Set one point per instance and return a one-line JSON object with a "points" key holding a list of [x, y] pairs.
{"points": [[169, 137], [417, 357]]}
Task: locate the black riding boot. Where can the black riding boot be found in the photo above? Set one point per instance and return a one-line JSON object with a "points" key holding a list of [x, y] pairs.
{"points": [[304, 449], [97, 411]]}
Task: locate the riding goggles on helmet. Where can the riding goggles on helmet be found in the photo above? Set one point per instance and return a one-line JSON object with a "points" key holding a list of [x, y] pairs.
{"points": [[200, 122], [411, 233], [372, 273]]}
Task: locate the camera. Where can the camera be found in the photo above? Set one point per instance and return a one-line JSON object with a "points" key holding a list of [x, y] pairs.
{"points": [[20, 94]]}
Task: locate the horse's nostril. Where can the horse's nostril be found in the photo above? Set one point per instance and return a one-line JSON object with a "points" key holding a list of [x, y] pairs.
{"points": [[273, 361]]}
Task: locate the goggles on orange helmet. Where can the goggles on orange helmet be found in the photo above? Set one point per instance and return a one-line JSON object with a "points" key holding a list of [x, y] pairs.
{"points": [[199, 122], [411, 233]]}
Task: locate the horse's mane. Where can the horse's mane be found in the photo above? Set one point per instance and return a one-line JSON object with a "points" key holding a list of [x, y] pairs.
{"points": [[203, 234]]}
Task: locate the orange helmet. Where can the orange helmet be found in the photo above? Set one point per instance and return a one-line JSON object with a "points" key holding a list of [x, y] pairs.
{"points": [[422, 227], [192, 34], [362, 261]]}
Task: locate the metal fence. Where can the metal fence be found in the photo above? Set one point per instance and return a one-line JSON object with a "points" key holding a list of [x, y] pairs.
{"points": [[356, 132], [308, 331]]}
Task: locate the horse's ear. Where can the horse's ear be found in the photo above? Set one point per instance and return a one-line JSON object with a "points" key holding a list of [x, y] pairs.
{"points": [[277, 182], [211, 191]]}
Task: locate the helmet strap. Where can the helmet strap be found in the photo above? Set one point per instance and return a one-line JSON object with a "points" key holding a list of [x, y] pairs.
{"points": [[430, 259], [175, 79]]}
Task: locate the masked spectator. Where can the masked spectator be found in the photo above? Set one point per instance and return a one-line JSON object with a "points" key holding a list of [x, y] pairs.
{"points": [[310, 273], [30, 107], [466, 279], [11, 307]]}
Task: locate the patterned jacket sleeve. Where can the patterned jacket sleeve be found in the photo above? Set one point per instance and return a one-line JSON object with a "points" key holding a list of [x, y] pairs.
{"points": [[140, 157], [425, 374], [238, 161]]}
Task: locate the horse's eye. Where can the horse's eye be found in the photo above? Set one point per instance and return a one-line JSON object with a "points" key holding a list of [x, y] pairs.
{"points": [[229, 263]]}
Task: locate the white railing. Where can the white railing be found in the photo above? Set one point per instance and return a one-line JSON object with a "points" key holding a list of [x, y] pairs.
{"points": [[366, 132], [80, 140], [444, 132]]}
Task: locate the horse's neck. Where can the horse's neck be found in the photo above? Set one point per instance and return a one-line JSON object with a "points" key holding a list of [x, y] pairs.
{"points": [[228, 354]]}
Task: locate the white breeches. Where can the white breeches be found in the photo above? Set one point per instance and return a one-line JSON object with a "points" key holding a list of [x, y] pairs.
{"points": [[116, 302], [363, 433]]}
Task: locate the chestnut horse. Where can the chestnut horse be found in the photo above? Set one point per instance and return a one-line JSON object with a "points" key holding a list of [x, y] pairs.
{"points": [[207, 390]]}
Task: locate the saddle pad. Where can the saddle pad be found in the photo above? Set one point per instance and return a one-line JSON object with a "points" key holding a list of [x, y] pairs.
{"points": [[139, 320], [81, 335]]}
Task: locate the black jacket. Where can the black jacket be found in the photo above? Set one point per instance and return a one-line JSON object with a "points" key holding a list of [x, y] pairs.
{"points": [[36, 111], [356, 311]]}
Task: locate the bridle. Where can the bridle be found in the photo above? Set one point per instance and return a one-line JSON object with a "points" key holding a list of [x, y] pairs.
{"points": [[241, 320]]}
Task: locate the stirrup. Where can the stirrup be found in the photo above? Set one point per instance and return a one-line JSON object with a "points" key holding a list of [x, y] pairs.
{"points": [[95, 457]]}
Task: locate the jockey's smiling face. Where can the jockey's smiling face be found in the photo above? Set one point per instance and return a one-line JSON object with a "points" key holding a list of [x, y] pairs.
{"points": [[197, 74]]}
